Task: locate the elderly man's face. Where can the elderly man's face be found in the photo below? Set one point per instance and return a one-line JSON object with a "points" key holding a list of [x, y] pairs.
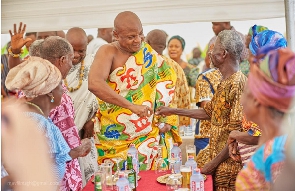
{"points": [[130, 38], [217, 55], [66, 64], [79, 47]]}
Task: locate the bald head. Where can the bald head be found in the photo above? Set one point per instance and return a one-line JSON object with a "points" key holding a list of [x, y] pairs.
{"points": [[126, 19], [157, 39], [76, 34], [128, 32], [105, 33], [78, 39]]}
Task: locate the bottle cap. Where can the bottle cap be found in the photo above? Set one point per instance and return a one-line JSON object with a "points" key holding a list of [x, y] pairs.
{"points": [[132, 145], [121, 174], [175, 144], [191, 157]]}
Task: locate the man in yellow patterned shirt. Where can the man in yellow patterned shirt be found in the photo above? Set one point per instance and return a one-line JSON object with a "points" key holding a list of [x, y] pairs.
{"points": [[181, 99], [224, 110], [206, 86]]}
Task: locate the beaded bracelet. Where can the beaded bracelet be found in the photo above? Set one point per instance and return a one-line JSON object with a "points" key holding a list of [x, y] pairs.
{"points": [[14, 55]]}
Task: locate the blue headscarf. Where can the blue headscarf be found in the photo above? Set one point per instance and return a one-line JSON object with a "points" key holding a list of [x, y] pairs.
{"points": [[266, 37], [180, 39]]}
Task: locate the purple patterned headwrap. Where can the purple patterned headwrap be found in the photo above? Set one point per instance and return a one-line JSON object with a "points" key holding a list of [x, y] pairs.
{"points": [[272, 80]]}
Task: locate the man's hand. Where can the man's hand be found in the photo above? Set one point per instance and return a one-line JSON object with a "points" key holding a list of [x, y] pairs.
{"points": [[166, 128], [17, 40], [88, 129], [142, 110], [164, 111], [233, 151], [209, 168], [232, 136]]}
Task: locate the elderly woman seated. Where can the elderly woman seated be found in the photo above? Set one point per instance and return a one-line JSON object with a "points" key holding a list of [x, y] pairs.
{"points": [[40, 81]]}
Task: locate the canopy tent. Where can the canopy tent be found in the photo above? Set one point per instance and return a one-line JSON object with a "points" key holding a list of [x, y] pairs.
{"points": [[50, 15]]}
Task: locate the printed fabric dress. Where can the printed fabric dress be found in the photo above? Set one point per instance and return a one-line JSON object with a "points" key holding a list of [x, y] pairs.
{"points": [[181, 98], [145, 79], [63, 117]]}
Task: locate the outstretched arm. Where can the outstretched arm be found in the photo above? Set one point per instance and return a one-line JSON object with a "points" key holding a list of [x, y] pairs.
{"points": [[192, 113], [99, 73]]}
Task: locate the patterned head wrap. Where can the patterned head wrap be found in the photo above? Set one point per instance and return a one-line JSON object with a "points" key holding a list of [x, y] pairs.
{"points": [[256, 29], [34, 77], [272, 80], [266, 38], [180, 39]]}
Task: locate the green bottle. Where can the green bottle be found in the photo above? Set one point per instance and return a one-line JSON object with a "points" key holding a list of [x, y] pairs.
{"points": [[132, 174]]}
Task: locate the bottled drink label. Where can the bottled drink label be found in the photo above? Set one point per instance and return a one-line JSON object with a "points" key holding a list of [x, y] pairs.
{"points": [[131, 180], [197, 186], [124, 188], [98, 186]]}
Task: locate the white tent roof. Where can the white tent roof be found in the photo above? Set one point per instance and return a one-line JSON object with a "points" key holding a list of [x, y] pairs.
{"points": [[51, 15]]}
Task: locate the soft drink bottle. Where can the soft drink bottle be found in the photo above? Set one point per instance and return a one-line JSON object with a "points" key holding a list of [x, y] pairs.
{"points": [[122, 183], [197, 181], [134, 153], [191, 162], [176, 152], [132, 177]]}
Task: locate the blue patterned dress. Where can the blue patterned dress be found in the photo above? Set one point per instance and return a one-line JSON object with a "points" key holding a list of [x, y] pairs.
{"points": [[58, 147]]}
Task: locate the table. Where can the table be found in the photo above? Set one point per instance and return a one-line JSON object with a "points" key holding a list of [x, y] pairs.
{"points": [[148, 181]]}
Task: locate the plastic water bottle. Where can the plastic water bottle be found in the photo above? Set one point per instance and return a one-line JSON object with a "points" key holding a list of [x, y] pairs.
{"points": [[191, 162], [176, 152], [134, 153], [177, 165], [197, 181], [122, 183]]}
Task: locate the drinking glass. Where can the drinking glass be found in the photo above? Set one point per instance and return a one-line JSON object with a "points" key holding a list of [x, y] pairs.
{"points": [[173, 182], [107, 174], [161, 165], [117, 160], [186, 173], [190, 151], [172, 161]]}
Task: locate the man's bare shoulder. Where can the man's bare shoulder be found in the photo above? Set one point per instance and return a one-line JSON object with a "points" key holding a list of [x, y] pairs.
{"points": [[108, 48]]}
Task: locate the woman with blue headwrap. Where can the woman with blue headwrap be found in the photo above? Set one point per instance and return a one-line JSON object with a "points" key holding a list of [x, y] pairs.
{"points": [[266, 37], [176, 45]]}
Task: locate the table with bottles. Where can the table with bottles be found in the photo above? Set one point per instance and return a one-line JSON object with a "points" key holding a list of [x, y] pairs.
{"points": [[148, 181], [177, 176]]}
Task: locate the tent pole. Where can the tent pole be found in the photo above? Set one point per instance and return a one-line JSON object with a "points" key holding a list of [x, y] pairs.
{"points": [[290, 23]]}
